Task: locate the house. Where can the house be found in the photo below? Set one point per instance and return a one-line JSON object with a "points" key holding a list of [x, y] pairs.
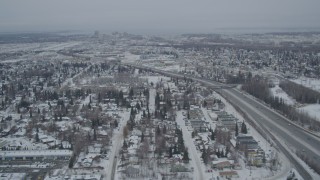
{"points": [[132, 171], [256, 157], [198, 125], [229, 174], [246, 142], [226, 120], [229, 123], [222, 165]]}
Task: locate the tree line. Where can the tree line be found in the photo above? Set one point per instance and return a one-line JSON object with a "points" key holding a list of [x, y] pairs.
{"points": [[259, 88], [300, 93]]}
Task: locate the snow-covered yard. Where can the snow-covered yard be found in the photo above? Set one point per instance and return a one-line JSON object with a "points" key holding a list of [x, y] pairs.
{"points": [[278, 92], [312, 109], [308, 82]]}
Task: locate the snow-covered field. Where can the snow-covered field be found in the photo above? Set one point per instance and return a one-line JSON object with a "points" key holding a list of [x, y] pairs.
{"points": [[308, 82], [312, 109], [277, 91]]}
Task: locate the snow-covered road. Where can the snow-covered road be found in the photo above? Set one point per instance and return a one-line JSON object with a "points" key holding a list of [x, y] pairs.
{"points": [[117, 140], [152, 92], [195, 158]]}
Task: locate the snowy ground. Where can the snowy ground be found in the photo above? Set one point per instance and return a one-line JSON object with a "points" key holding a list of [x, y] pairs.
{"points": [[131, 58], [308, 82], [173, 68], [4, 176], [277, 91], [312, 109]]}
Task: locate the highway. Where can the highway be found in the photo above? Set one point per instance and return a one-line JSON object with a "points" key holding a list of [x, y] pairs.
{"points": [[288, 136]]}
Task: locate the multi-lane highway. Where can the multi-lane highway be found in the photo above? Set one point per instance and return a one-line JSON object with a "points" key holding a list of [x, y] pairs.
{"points": [[288, 136]]}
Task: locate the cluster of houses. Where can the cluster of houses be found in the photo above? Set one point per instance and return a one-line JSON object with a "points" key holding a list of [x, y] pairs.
{"points": [[196, 120]]}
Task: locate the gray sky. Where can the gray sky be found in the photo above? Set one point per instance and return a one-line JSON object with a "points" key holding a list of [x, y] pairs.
{"points": [[158, 16]]}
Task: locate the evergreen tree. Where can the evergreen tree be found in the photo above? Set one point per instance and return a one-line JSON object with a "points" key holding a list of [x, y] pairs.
{"points": [[170, 152], [89, 136], [218, 153], [212, 136], [72, 159], [142, 137], [158, 131], [116, 123], [99, 97], [227, 151], [193, 134], [120, 94], [37, 137], [66, 111], [131, 93], [164, 130], [157, 101], [204, 155], [94, 134], [222, 153], [185, 156], [138, 106], [237, 129], [125, 145], [204, 103], [244, 128]]}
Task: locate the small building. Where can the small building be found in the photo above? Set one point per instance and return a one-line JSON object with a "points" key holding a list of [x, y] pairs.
{"points": [[132, 171], [222, 165], [229, 174], [246, 142], [198, 125]]}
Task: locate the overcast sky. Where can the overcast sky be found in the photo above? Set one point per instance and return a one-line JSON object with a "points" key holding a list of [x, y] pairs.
{"points": [[147, 16]]}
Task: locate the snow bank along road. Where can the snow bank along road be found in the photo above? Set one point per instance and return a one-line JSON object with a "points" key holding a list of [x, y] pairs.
{"points": [[294, 136]]}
